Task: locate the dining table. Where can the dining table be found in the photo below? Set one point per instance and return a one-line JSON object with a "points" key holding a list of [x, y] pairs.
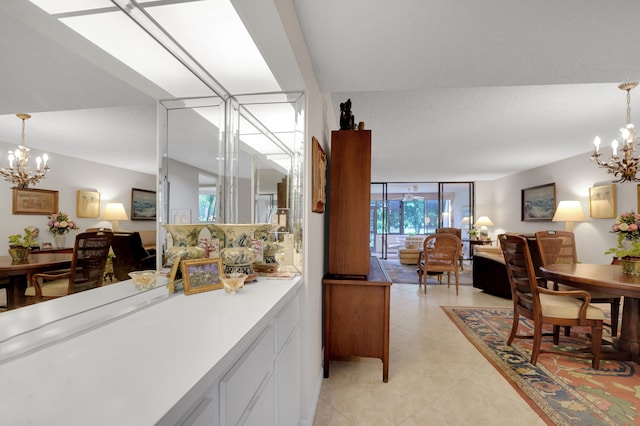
{"points": [[609, 279], [16, 274]]}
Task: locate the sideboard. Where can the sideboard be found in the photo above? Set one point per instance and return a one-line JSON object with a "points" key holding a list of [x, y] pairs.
{"points": [[114, 355]]}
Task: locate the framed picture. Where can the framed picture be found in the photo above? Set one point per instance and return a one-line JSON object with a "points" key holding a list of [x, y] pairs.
{"points": [[319, 177], [539, 203], [175, 276], [143, 204], [602, 201], [201, 275], [638, 197], [88, 204], [34, 201]]}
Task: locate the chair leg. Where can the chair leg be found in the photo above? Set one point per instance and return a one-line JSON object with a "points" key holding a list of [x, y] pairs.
{"points": [[556, 334], [537, 341], [596, 345], [514, 328], [456, 273]]}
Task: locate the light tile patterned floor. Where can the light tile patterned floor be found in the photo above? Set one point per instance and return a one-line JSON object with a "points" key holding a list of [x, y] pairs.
{"points": [[436, 377]]}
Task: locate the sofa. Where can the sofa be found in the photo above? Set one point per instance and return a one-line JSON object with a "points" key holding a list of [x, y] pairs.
{"points": [[490, 271]]}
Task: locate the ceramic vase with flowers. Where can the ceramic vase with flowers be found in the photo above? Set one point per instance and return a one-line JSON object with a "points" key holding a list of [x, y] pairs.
{"points": [[627, 252], [60, 224]]}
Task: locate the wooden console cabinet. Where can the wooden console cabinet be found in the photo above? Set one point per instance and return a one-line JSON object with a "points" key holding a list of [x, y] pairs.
{"points": [[349, 202], [356, 317]]}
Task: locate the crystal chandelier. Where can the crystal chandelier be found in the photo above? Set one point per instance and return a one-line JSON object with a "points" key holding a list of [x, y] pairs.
{"points": [[623, 167], [19, 173]]}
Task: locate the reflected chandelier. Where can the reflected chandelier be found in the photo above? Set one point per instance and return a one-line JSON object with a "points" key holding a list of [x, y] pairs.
{"points": [[624, 167], [19, 173]]}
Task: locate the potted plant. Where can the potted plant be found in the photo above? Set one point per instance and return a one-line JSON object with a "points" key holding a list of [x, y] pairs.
{"points": [[20, 246], [627, 252], [473, 233]]}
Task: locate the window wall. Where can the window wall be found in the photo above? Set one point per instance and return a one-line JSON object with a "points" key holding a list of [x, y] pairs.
{"points": [[417, 208]]}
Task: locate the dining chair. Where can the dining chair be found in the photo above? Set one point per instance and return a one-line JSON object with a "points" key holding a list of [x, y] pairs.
{"points": [[130, 255], [458, 233], [534, 301], [440, 254], [89, 259], [560, 247]]}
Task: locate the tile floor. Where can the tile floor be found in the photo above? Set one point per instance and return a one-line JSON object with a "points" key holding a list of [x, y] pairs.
{"points": [[436, 377]]}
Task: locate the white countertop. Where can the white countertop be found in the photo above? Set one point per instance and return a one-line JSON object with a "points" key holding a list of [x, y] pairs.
{"points": [[133, 369]]}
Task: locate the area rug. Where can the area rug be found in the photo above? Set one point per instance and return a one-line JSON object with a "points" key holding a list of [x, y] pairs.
{"points": [[407, 274], [562, 390]]}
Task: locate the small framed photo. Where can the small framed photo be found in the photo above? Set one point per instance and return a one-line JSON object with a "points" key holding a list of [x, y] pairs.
{"points": [[88, 204], [201, 275], [34, 201], [538, 203], [143, 204], [602, 201]]}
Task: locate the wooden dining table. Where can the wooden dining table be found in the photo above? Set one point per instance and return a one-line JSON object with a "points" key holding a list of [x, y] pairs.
{"points": [[19, 273], [609, 279]]}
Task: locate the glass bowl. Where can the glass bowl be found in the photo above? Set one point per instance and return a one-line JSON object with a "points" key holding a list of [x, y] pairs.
{"points": [[233, 283], [144, 280]]}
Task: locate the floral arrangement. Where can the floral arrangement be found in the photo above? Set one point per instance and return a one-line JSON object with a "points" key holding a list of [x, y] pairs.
{"points": [[627, 227], [60, 223]]}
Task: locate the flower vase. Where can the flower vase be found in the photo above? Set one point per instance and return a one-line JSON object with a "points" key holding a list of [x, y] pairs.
{"points": [[60, 240]]}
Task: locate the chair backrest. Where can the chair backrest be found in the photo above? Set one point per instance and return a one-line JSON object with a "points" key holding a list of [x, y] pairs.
{"points": [[520, 270], [90, 253], [442, 250], [455, 231], [556, 247], [128, 250]]}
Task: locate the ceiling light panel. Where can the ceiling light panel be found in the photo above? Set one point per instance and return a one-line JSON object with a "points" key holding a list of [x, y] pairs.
{"points": [[134, 47], [53, 7], [217, 39]]}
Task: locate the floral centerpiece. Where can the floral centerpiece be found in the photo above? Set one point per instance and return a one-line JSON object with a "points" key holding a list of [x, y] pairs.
{"points": [[627, 227], [20, 246], [60, 223]]}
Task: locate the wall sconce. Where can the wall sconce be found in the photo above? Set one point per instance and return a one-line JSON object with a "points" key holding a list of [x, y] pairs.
{"points": [[114, 212]]}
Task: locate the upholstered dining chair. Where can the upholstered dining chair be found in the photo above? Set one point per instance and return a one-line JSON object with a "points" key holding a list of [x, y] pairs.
{"points": [[534, 301], [89, 259], [458, 233], [560, 247], [440, 254]]}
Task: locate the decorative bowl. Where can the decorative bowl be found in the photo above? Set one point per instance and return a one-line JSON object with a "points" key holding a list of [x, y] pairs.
{"points": [[144, 280], [233, 283]]}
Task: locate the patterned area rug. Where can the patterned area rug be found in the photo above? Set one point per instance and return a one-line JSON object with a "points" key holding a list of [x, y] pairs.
{"points": [[563, 390], [407, 274]]}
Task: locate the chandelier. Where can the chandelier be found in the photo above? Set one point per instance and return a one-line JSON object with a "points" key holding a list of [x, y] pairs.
{"points": [[19, 173], [625, 166]]}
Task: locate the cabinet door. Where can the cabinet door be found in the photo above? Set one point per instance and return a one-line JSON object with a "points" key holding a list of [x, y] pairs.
{"points": [[349, 200], [288, 383]]}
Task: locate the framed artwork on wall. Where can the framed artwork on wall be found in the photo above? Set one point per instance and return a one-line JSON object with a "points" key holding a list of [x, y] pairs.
{"points": [[201, 275], [88, 204], [602, 201], [319, 177], [34, 201], [538, 203], [143, 204]]}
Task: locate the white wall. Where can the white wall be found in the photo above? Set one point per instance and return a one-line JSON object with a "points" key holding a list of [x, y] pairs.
{"points": [[67, 176], [573, 177]]}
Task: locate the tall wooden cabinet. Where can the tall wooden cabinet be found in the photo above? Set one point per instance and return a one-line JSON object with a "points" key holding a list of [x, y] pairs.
{"points": [[356, 289], [349, 199]]}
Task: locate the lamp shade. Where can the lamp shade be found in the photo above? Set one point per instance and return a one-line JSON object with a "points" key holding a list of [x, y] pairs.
{"points": [[569, 211], [114, 211], [483, 221]]}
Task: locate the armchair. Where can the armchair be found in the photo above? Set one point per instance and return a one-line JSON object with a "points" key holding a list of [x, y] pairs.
{"points": [[130, 255]]}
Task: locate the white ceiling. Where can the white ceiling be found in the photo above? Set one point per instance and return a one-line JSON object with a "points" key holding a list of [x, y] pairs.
{"points": [[452, 89]]}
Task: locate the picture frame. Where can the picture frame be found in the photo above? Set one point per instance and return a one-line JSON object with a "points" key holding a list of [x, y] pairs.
{"points": [[87, 203], [200, 275], [34, 201], [602, 201], [318, 176], [538, 203], [638, 197], [143, 204]]}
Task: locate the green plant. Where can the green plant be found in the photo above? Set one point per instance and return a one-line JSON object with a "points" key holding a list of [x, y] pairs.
{"points": [[620, 251], [473, 232], [26, 241]]}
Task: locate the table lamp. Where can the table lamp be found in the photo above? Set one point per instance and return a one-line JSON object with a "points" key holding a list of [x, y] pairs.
{"points": [[483, 222], [569, 212], [114, 212]]}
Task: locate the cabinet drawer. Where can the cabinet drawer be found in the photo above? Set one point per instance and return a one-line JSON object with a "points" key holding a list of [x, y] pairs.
{"points": [[286, 322], [239, 386]]}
